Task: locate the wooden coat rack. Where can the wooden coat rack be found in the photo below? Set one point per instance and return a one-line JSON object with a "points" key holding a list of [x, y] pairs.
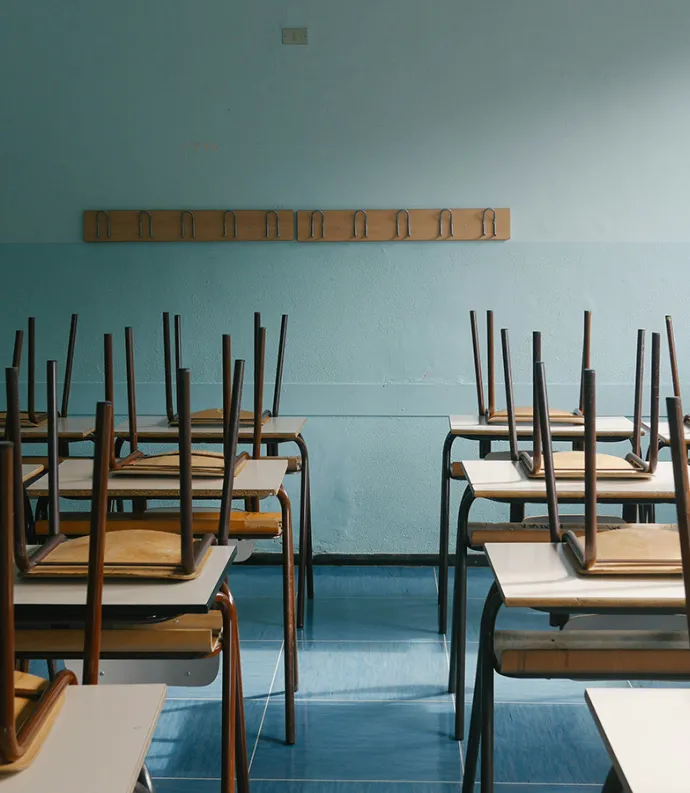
{"points": [[186, 225], [312, 225], [403, 225]]}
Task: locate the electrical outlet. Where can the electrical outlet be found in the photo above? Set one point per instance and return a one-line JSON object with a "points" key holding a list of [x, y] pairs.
{"points": [[294, 35]]}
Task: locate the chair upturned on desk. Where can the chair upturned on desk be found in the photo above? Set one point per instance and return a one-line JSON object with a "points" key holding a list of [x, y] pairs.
{"points": [[258, 479], [506, 482], [276, 430], [541, 576], [610, 429]]}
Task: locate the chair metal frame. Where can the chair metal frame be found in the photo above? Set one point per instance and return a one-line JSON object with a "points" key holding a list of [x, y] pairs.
{"points": [[15, 744], [487, 411]]}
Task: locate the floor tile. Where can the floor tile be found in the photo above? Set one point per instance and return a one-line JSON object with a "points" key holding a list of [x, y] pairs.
{"points": [[371, 671], [187, 739], [365, 581], [479, 579], [555, 744], [372, 619], [533, 690], [256, 581], [322, 786], [366, 741], [260, 619], [259, 663]]}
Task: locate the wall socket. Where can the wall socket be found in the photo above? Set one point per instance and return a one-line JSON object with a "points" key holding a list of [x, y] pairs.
{"points": [[294, 35]]}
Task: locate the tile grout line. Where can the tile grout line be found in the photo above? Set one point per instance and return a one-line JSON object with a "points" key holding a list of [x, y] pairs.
{"points": [[263, 715]]}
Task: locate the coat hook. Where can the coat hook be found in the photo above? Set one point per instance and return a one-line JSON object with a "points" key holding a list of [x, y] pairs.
{"points": [[141, 224], [493, 212], [277, 217], [397, 223], [234, 223], [98, 223], [323, 223], [191, 215], [440, 222], [366, 223]]}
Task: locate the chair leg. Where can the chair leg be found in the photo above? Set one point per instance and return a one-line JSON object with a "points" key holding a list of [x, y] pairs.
{"points": [[444, 535], [240, 748], [229, 722], [459, 621], [303, 540], [290, 654], [306, 573]]}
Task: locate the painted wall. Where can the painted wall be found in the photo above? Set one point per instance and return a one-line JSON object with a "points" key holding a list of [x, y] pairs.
{"points": [[571, 113]]}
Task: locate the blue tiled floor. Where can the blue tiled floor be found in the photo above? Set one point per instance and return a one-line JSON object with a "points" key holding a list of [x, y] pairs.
{"points": [[372, 713]]}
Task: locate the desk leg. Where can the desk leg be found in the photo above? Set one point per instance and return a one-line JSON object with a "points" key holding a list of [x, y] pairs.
{"points": [[290, 651], [612, 783], [459, 621], [306, 568], [517, 513], [486, 689], [444, 535], [484, 448], [485, 655]]}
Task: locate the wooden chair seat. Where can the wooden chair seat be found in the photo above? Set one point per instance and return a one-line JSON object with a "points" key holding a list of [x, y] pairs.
{"points": [[571, 465], [245, 525], [168, 464], [128, 554], [534, 529], [193, 634], [458, 472], [583, 653], [24, 420], [28, 690], [637, 549], [294, 464], [205, 521], [214, 417], [525, 415]]}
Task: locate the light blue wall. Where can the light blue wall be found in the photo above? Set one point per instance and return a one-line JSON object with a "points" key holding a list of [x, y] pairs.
{"points": [[574, 114]]}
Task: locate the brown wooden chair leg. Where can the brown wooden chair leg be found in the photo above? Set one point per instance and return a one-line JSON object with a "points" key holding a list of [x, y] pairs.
{"points": [[241, 757], [289, 622], [229, 722]]}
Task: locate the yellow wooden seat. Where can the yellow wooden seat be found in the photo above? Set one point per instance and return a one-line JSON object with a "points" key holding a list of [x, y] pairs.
{"points": [[566, 654], [639, 549], [135, 553], [534, 529], [204, 521], [196, 634], [525, 415]]}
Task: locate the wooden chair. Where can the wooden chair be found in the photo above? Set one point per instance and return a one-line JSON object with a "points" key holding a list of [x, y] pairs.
{"points": [[30, 705], [203, 463], [214, 416], [31, 417], [523, 415], [632, 549], [139, 549], [571, 464], [188, 636]]}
